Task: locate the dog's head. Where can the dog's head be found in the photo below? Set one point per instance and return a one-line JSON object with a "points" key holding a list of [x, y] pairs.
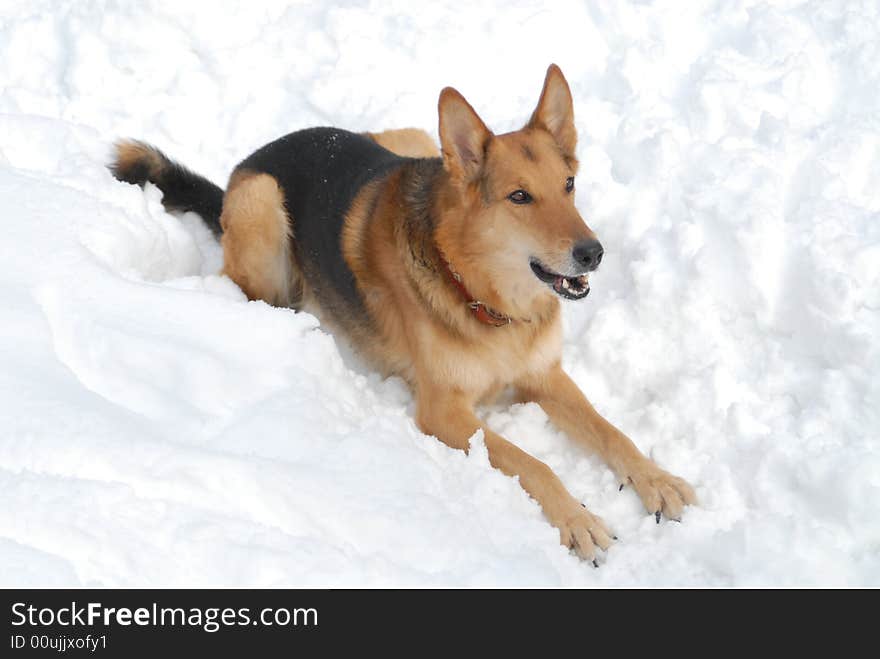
{"points": [[517, 235]]}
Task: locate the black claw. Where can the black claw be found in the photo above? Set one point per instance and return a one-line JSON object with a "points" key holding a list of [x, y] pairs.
{"points": [[595, 563], [614, 537], [676, 519], [583, 505], [657, 516], [620, 489]]}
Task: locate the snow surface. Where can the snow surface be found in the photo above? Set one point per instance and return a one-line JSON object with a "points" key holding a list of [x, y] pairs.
{"points": [[158, 429]]}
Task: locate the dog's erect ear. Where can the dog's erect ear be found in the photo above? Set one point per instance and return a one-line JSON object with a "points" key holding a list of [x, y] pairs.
{"points": [[555, 112], [463, 136]]}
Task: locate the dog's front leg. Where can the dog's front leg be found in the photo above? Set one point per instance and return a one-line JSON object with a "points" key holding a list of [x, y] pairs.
{"points": [[449, 416], [572, 413]]}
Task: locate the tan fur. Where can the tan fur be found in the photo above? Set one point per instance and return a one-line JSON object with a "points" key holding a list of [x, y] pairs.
{"points": [[256, 239], [421, 327], [409, 142], [132, 153], [547, 228]]}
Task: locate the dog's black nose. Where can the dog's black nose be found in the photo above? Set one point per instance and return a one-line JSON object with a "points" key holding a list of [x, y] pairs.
{"points": [[588, 253]]}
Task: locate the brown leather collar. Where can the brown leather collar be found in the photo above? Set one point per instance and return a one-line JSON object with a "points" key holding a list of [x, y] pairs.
{"points": [[483, 313]]}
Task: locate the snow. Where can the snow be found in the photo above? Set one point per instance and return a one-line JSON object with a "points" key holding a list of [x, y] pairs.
{"points": [[158, 429]]}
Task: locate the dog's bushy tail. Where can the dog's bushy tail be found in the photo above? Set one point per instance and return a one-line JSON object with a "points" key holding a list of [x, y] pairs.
{"points": [[182, 189]]}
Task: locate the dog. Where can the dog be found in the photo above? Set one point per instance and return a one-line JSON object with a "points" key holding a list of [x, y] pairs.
{"points": [[445, 268]]}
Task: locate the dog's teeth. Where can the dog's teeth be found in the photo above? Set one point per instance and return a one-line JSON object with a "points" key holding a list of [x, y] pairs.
{"points": [[565, 284]]}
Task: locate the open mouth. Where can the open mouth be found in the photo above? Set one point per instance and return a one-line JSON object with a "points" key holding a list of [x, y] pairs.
{"points": [[571, 288]]}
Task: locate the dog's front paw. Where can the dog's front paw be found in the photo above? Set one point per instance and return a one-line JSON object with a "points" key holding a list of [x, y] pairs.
{"points": [[660, 491], [581, 530]]}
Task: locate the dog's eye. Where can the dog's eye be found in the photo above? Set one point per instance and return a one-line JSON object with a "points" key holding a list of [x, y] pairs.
{"points": [[520, 197], [569, 184]]}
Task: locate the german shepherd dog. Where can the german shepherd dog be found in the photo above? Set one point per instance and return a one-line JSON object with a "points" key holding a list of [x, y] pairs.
{"points": [[445, 268]]}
